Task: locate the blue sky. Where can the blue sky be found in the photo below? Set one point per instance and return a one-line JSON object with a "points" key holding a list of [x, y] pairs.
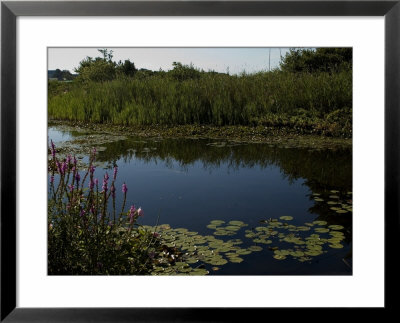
{"points": [[219, 59]]}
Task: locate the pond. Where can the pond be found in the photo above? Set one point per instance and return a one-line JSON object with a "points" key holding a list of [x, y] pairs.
{"points": [[291, 208]]}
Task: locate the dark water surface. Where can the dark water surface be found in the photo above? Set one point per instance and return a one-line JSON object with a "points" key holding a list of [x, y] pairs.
{"points": [[187, 183]]}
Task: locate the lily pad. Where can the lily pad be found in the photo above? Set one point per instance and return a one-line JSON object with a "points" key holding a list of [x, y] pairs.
{"points": [[313, 252], [236, 259], [321, 230], [320, 222], [236, 223], [286, 218], [232, 228], [336, 246], [217, 222], [255, 248], [336, 227]]}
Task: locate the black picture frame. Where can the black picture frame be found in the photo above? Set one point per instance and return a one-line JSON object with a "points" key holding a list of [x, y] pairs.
{"points": [[10, 10]]}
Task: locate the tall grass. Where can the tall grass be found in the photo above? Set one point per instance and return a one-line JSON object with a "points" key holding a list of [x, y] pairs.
{"points": [[214, 99]]}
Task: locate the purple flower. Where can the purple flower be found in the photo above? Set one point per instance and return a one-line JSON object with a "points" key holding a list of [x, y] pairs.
{"points": [[124, 188], [68, 159], [115, 172], [64, 167], [59, 168], [71, 187], [105, 184], [75, 161], [131, 213], [83, 213], [51, 179], [106, 176], [96, 181], [92, 169], [140, 212]]}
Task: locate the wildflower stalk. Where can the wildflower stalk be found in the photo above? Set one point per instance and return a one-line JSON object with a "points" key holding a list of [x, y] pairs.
{"points": [[79, 242]]}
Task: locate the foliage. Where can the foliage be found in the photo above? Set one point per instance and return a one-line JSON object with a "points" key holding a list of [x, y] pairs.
{"points": [[182, 72], [96, 70], [102, 69], [127, 68], [63, 75], [85, 234], [271, 99], [330, 60], [58, 88], [312, 92]]}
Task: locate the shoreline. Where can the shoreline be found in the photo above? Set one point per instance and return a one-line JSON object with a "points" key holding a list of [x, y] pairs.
{"points": [[288, 138]]}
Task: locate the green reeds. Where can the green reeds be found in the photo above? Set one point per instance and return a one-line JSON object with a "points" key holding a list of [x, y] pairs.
{"points": [[212, 99]]}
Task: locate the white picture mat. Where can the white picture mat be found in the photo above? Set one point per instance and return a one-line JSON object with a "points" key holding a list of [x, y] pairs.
{"points": [[364, 288]]}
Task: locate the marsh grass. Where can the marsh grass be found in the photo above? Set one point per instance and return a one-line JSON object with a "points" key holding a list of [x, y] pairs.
{"points": [[304, 100]]}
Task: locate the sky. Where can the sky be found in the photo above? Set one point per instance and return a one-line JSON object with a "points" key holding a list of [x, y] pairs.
{"points": [[233, 60]]}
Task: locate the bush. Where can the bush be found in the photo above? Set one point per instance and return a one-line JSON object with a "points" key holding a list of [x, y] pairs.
{"points": [[329, 60]]}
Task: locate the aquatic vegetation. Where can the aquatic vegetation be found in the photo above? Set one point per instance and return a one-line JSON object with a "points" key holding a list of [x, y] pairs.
{"points": [[222, 243], [280, 239], [87, 237], [315, 103]]}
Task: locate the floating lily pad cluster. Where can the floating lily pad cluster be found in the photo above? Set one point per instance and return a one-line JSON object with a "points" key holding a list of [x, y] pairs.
{"points": [[304, 246], [189, 253], [196, 251], [340, 203], [229, 229]]}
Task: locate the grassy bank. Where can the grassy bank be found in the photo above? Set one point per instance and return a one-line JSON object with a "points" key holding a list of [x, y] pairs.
{"points": [[281, 137], [303, 103]]}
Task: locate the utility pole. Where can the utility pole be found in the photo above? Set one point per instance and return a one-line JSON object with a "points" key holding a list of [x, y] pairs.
{"points": [[269, 60]]}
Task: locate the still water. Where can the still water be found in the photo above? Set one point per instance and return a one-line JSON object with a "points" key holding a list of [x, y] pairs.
{"points": [[187, 183]]}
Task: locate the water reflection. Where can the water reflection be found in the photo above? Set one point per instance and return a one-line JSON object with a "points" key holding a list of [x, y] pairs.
{"points": [[322, 169], [191, 182]]}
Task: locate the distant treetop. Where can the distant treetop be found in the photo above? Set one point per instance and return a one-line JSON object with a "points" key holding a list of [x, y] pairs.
{"points": [[319, 60]]}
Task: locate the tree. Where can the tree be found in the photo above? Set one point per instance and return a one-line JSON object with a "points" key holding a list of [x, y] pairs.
{"points": [[182, 72], [102, 69], [329, 60], [107, 55], [126, 68], [97, 69]]}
